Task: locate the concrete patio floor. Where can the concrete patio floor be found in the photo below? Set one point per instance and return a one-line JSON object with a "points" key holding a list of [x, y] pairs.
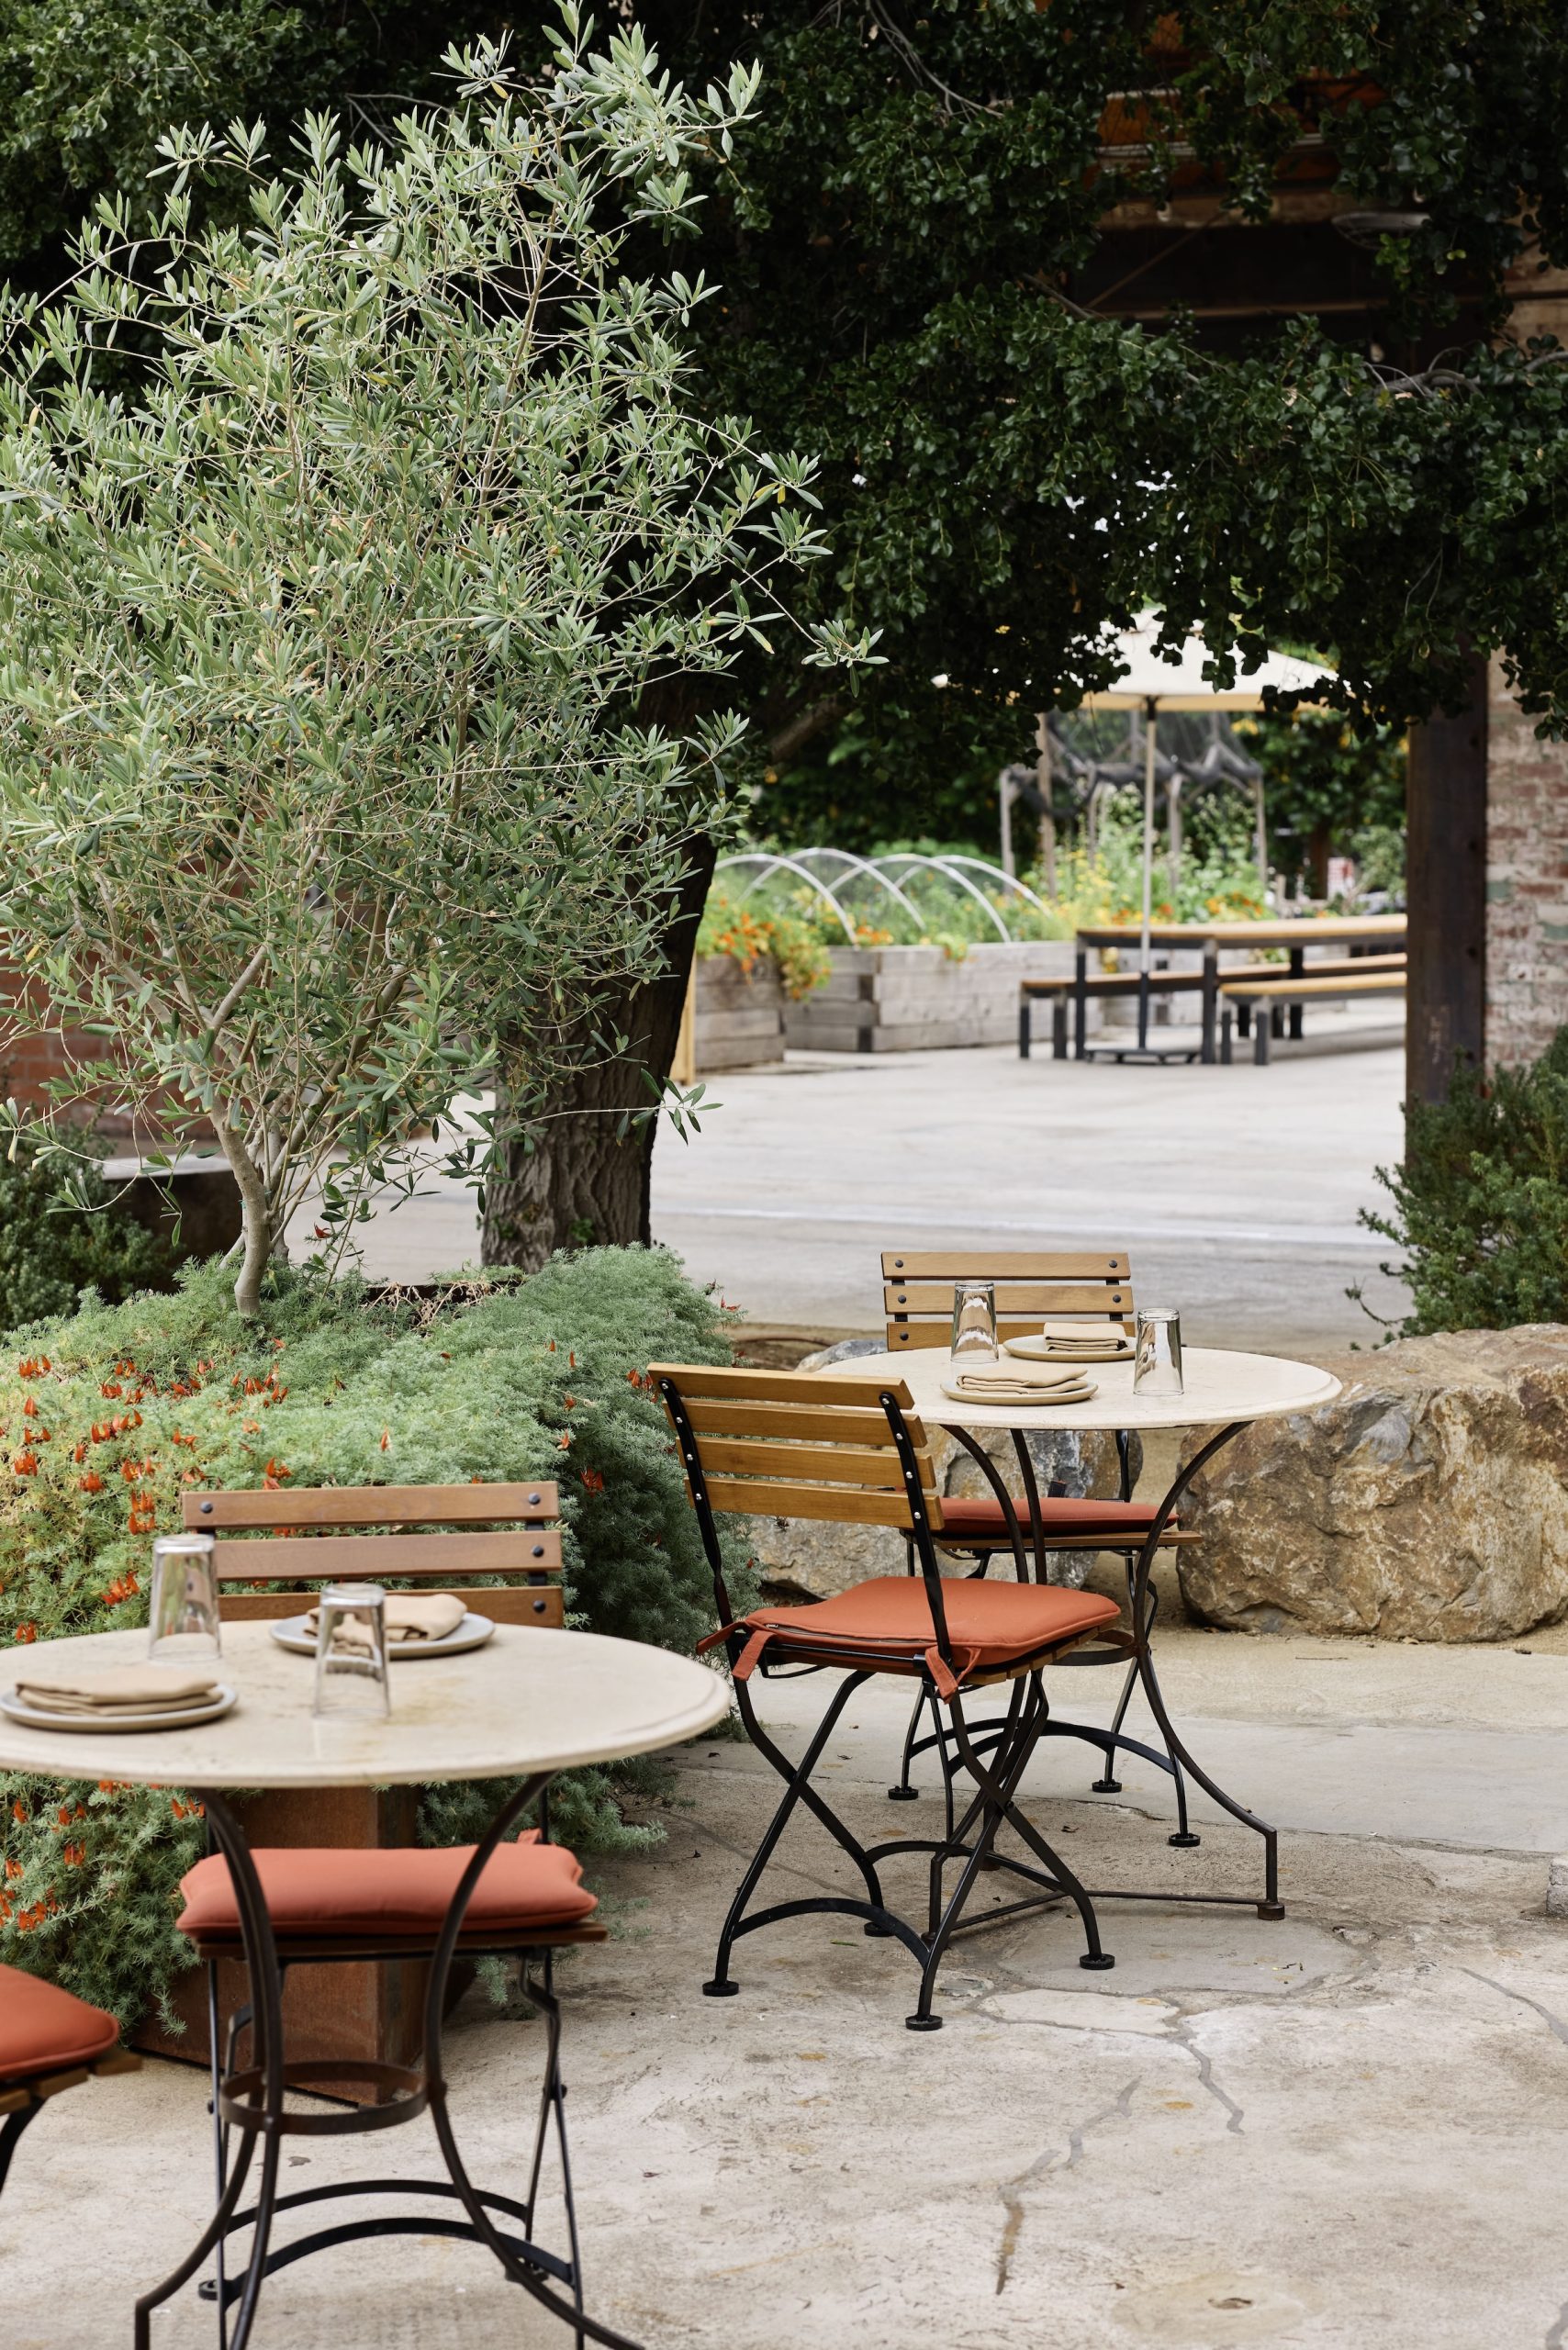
{"points": [[1339, 2130], [1236, 1190]]}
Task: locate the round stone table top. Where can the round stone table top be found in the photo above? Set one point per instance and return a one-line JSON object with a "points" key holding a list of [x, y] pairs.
{"points": [[1218, 1386], [531, 1699]]}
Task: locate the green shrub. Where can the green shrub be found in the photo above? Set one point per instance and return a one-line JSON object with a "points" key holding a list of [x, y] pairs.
{"points": [[107, 1416], [52, 1247], [1481, 1200]]}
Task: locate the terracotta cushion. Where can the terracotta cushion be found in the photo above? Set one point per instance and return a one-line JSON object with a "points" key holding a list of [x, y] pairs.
{"points": [[45, 2030], [978, 1520], [989, 1625], [526, 1886]]}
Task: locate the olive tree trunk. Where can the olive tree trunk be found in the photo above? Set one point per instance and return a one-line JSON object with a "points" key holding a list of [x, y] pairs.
{"points": [[580, 1185]]}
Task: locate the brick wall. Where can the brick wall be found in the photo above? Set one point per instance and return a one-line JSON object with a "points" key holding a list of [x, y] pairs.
{"points": [[1527, 882]]}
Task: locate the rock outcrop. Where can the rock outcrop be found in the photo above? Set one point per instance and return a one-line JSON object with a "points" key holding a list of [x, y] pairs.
{"points": [[1428, 1502]]}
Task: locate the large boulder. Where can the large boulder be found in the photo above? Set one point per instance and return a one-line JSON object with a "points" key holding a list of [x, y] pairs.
{"points": [[1428, 1502], [801, 1558]]}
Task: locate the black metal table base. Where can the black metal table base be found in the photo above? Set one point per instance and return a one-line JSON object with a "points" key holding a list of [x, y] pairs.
{"points": [[250, 2117], [1173, 1758]]}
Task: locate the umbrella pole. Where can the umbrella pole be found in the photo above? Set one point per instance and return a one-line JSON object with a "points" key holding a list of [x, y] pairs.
{"points": [[1150, 721]]}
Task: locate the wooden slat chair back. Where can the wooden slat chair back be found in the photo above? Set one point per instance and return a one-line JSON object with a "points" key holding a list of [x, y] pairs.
{"points": [[1030, 1286], [803, 1444], [302, 1537]]}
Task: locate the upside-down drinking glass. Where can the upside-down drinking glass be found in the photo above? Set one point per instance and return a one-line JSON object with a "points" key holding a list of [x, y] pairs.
{"points": [[183, 1626], [974, 1322], [351, 1679], [1157, 1363]]}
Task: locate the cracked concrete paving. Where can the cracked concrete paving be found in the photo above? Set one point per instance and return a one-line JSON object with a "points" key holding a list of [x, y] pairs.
{"points": [[1338, 2130]]}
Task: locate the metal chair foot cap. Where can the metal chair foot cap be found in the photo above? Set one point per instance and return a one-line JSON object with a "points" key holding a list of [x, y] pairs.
{"points": [[903, 1795], [1186, 1840], [1271, 1909], [923, 2023], [717, 1990], [878, 1933], [1097, 1960], [1105, 1786], [207, 2289]]}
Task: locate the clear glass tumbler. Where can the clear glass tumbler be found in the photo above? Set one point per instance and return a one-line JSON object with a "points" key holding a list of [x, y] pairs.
{"points": [[1157, 1362], [974, 1322], [351, 1678], [182, 1625]]}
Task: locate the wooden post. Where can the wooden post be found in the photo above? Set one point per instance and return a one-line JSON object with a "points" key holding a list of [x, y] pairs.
{"points": [[1446, 887]]}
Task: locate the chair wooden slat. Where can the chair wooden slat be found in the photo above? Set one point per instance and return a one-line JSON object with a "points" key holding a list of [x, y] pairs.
{"points": [[535, 1603], [843, 1426], [850, 1504], [813, 1387], [825, 1464], [1020, 1265], [356, 1558], [372, 1506], [1090, 1302]]}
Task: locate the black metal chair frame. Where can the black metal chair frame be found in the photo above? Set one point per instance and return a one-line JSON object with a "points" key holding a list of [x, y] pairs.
{"points": [[1112, 1648], [969, 1840], [250, 2103]]}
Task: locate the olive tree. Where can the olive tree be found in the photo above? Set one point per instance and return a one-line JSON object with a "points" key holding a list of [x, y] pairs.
{"points": [[368, 584]]}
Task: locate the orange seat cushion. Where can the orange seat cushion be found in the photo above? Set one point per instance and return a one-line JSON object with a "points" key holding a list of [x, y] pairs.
{"points": [[526, 1887], [45, 2030], [982, 1520], [989, 1625]]}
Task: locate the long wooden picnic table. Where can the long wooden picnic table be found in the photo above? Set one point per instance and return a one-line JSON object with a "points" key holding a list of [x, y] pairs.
{"points": [[1348, 931]]}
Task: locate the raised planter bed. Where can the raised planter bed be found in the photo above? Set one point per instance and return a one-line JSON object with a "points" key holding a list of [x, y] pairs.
{"points": [[910, 999], [740, 1013]]}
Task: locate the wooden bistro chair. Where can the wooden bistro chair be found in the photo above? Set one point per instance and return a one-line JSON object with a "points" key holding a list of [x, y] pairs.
{"points": [[1090, 1288], [49, 2041], [332, 1906], [848, 1448]]}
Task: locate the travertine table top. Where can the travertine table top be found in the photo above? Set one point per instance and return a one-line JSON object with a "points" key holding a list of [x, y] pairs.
{"points": [[1219, 1386], [532, 1700]]}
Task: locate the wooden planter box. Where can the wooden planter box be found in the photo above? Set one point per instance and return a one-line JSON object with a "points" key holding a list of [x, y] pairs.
{"points": [[910, 999], [366, 2012], [740, 1015]]}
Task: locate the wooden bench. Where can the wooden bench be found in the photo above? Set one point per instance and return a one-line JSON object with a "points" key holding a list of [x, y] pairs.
{"points": [[1262, 998], [1210, 981]]}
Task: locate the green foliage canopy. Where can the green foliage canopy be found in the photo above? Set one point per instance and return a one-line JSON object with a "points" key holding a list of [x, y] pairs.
{"points": [[363, 664], [1007, 474]]}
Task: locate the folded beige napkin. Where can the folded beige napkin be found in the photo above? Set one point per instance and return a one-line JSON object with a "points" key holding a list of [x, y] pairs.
{"points": [[408, 1619], [1015, 1386], [981, 1375], [128, 1689], [1073, 1342]]}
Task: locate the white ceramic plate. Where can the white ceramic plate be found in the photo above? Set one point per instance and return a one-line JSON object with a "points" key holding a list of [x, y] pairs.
{"points": [[95, 1719], [293, 1632]]}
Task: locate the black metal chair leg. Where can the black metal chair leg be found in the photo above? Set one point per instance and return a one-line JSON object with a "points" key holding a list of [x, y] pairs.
{"points": [[10, 2137], [796, 1790]]}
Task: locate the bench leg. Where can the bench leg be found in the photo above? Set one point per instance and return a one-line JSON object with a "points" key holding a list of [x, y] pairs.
{"points": [[1244, 1020], [1024, 1027], [1227, 1026], [1261, 1026], [1059, 1029]]}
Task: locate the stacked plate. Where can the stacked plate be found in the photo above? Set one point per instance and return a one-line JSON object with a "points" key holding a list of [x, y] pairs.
{"points": [[1074, 1342], [1015, 1383], [117, 1697]]}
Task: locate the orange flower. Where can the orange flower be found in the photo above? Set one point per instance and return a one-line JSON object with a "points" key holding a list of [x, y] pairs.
{"points": [[26, 1464], [19, 1813], [31, 1408], [92, 1483], [594, 1480], [26, 1632], [385, 1439]]}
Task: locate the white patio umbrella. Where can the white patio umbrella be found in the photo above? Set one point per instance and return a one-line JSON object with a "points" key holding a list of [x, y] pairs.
{"points": [[1152, 682]]}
